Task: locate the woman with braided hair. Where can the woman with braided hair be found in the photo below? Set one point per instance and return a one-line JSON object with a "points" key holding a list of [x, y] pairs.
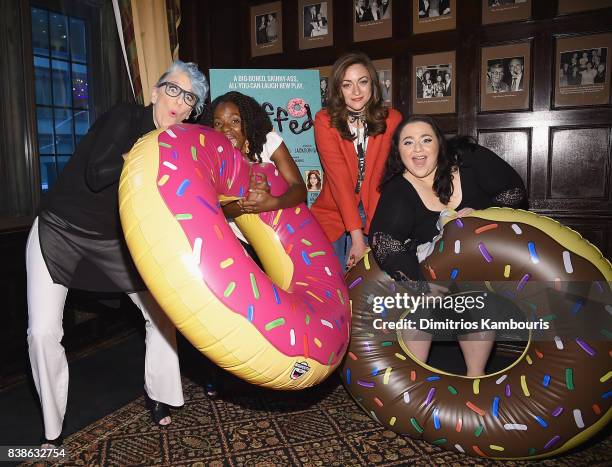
{"points": [[242, 120]]}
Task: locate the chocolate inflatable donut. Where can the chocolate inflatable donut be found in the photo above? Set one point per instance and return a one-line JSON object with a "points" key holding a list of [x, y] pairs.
{"points": [[554, 397], [286, 328]]}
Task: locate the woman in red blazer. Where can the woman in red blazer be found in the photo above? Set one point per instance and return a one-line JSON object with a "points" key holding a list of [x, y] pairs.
{"points": [[353, 137]]}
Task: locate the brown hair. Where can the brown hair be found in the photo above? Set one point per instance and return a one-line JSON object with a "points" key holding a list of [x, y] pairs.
{"points": [[376, 113]]}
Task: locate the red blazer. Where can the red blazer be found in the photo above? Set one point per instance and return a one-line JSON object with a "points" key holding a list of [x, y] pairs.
{"points": [[336, 207]]}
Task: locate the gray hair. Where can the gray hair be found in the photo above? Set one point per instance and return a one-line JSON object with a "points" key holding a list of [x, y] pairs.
{"points": [[199, 83]]}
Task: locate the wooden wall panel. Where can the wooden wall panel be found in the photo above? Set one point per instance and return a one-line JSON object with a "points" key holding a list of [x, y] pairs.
{"points": [[579, 163], [512, 146]]}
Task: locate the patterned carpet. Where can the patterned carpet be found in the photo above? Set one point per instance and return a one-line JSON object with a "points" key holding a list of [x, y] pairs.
{"points": [[254, 427]]}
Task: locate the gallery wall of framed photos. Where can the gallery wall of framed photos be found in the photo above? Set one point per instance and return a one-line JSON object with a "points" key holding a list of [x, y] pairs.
{"points": [[529, 79]]}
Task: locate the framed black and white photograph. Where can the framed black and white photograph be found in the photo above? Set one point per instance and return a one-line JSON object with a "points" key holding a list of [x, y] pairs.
{"points": [[434, 81], [583, 75], [324, 73], [323, 85], [384, 69], [372, 10], [505, 77], [433, 15], [385, 86], [266, 29], [433, 91], [585, 68], [371, 19], [502, 11], [434, 9], [316, 24]]}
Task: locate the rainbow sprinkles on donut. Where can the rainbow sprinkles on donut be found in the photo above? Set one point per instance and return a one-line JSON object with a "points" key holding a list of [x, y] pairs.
{"points": [[286, 328]]}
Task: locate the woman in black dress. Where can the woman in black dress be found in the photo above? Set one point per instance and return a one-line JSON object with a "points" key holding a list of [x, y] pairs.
{"points": [[426, 175], [77, 242]]}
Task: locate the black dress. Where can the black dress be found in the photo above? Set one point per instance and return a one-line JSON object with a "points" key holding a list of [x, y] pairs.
{"points": [[80, 233], [401, 221]]}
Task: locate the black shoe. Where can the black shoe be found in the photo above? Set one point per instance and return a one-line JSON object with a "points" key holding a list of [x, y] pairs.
{"points": [[52, 443], [158, 410], [211, 390]]}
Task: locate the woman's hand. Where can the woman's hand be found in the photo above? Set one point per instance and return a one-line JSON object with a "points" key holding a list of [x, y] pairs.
{"points": [[464, 212], [259, 198], [358, 248], [232, 209], [259, 201], [436, 290]]}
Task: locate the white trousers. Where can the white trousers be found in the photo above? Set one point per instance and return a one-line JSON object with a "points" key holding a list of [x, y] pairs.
{"points": [[47, 356]]}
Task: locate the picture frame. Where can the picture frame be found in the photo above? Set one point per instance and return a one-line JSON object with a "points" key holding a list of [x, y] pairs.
{"points": [[427, 70], [384, 68], [370, 23], [316, 20], [567, 7], [505, 77], [266, 29], [503, 11], [582, 74], [426, 18], [313, 178]]}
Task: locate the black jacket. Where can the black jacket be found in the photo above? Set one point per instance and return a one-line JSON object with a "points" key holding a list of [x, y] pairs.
{"points": [[86, 193]]}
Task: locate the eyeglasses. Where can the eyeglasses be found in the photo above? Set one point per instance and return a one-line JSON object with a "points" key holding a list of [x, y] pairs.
{"points": [[174, 90]]}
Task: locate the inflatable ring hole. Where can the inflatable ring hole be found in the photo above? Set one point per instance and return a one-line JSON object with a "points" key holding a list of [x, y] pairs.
{"points": [[275, 261], [446, 358]]}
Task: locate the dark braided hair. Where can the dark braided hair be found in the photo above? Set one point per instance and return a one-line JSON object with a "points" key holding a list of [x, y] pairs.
{"points": [[254, 120], [449, 157]]}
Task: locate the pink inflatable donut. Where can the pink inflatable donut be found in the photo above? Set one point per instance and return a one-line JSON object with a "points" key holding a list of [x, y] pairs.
{"points": [[296, 107], [287, 328]]}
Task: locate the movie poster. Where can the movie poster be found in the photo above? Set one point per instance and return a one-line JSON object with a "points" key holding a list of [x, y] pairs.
{"points": [[291, 98]]}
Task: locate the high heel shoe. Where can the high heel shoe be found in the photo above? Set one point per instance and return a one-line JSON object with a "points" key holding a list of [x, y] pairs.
{"points": [[51, 443], [158, 410]]}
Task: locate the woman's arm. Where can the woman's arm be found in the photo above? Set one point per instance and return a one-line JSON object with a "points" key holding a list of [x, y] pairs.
{"points": [[391, 233], [498, 179], [233, 209], [111, 134], [260, 199]]}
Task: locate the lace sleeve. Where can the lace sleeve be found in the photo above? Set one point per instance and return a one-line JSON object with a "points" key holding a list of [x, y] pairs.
{"points": [[384, 244], [398, 259], [511, 198]]}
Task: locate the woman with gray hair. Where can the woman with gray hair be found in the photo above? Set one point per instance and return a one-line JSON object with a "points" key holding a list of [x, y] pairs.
{"points": [[77, 242]]}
